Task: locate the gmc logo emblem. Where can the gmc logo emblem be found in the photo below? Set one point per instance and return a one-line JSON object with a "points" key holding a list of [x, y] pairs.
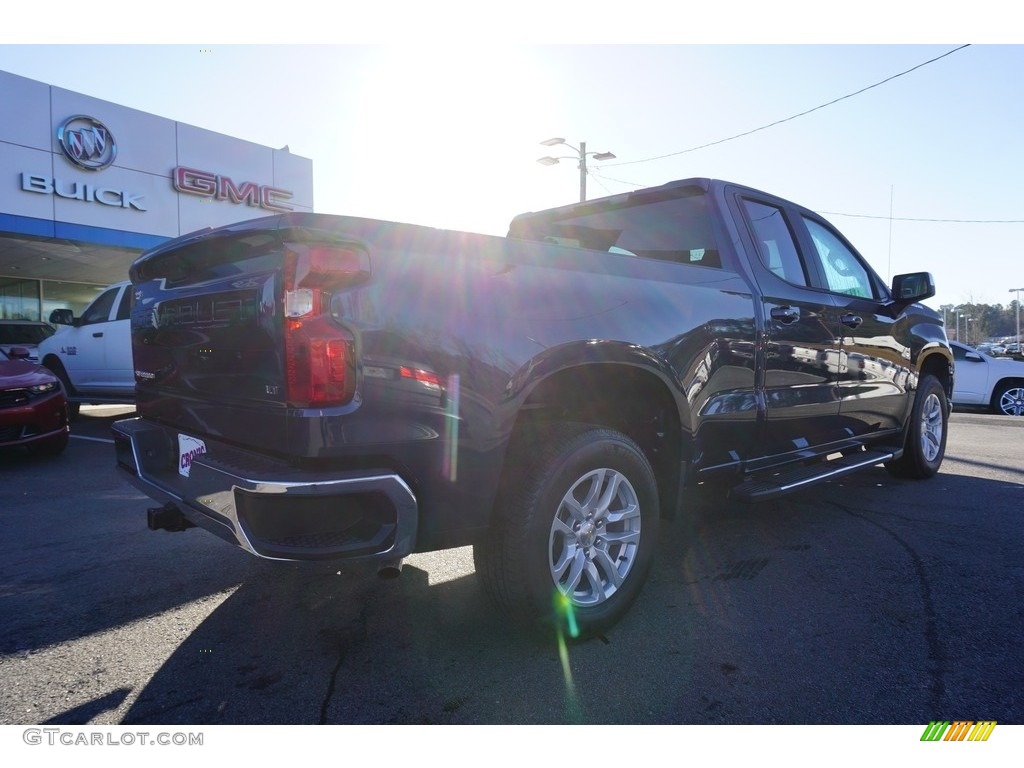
{"points": [[214, 186]]}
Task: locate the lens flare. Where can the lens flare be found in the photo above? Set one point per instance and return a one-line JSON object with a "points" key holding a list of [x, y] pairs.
{"points": [[565, 614], [566, 625]]}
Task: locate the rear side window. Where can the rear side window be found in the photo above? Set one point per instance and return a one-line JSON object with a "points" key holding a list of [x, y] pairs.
{"points": [[776, 245], [677, 229]]}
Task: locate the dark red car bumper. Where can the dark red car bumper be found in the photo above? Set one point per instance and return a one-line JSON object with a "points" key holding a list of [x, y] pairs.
{"points": [[26, 420]]}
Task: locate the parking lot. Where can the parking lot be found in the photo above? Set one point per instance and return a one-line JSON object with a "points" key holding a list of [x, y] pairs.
{"points": [[869, 600]]}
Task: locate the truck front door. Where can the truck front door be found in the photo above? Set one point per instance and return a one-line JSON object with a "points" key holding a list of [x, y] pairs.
{"points": [[876, 370], [97, 352]]}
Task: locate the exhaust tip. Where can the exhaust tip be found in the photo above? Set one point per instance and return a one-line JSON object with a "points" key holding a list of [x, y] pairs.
{"points": [[390, 570]]}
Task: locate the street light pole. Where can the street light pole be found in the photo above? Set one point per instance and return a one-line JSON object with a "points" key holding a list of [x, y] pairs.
{"points": [[945, 308], [1017, 291], [583, 171], [581, 156]]}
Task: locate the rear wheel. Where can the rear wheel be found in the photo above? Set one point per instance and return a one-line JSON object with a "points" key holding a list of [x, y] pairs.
{"points": [[925, 446], [574, 532], [1009, 399]]}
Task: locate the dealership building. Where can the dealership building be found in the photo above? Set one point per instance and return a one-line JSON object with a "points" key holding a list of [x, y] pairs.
{"points": [[87, 185]]}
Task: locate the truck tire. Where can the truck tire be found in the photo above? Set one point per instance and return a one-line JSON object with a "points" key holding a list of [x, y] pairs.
{"points": [[574, 532], [55, 367], [1009, 399], [926, 435]]}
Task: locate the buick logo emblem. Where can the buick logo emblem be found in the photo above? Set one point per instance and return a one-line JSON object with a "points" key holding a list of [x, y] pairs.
{"points": [[87, 142]]}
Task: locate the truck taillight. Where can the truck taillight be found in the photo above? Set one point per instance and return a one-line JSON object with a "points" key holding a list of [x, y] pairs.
{"points": [[320, 365]]}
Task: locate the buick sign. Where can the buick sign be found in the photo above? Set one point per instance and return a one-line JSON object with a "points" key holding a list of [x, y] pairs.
{"points": [[87, 142]]}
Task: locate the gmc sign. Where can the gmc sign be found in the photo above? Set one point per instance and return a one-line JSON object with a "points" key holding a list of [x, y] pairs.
{"points": [[214, 186]]}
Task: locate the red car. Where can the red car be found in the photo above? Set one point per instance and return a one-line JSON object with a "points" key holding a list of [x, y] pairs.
{"points": [[33, 407]]}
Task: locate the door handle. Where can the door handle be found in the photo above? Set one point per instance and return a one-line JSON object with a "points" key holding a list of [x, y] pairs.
{"points": [[97, 335], [785, 315], [851, 320]]}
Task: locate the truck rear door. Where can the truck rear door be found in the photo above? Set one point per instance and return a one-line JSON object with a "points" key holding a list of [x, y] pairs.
{"points": [[802, 343]]}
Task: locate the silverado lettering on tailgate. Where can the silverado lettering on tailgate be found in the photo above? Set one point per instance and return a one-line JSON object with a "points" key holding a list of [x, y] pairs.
{"points": [[235, 307]]}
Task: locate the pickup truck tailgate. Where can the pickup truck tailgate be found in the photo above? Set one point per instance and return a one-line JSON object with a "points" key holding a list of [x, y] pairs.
{"points": [[232, 333]]}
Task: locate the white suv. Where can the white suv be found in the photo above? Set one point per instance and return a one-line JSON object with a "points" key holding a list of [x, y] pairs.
{"points": [[92, 354], [993, 382]]}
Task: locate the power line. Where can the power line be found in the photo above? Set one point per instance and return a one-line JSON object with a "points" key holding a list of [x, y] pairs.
{"points": [[792, 117], [596, 171], [907, 218], [597, 179]]}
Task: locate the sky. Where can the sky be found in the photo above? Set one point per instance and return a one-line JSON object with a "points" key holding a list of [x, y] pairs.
{"points": [[416, 124]]}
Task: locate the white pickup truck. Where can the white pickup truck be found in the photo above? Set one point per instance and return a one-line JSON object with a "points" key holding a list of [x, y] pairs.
{"points": [[92, 354]]}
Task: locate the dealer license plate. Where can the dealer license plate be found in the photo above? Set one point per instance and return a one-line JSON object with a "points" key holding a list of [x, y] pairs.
{"points": [[188, 449]]}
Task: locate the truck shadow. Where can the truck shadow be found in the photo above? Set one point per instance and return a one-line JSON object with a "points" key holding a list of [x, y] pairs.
{"points": [[301, 644], [77, 559], [746, 619]]}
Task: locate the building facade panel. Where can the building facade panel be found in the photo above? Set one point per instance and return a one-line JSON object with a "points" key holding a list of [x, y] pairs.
{"points": [[17, 161], [211, 151], [144, 142], [25, 105], [289, 171], [117, 198]]}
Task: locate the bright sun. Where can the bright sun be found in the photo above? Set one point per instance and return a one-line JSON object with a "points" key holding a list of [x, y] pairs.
{"points": [[451, 135]]}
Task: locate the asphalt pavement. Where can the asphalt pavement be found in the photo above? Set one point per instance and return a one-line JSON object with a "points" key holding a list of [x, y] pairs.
{"points": [[868, 600]]}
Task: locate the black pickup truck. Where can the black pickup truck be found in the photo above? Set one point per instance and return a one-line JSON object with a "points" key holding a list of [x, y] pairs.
{"points": [[314, 387]]}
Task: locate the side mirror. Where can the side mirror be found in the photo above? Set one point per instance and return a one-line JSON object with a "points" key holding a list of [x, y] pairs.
{"points": [[62, 317], [912, 287], [17, 353], [974, 357]]}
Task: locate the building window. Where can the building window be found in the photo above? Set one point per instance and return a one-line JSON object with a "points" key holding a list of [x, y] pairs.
{"points": [[19, 299], [74, 296]]}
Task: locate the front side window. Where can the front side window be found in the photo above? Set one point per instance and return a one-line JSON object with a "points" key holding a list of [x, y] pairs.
{"points": [[99, 310], [842, 270], [124, 310]]}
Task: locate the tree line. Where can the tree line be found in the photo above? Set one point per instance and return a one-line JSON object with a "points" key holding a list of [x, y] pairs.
{"points": [[977, 323]]}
